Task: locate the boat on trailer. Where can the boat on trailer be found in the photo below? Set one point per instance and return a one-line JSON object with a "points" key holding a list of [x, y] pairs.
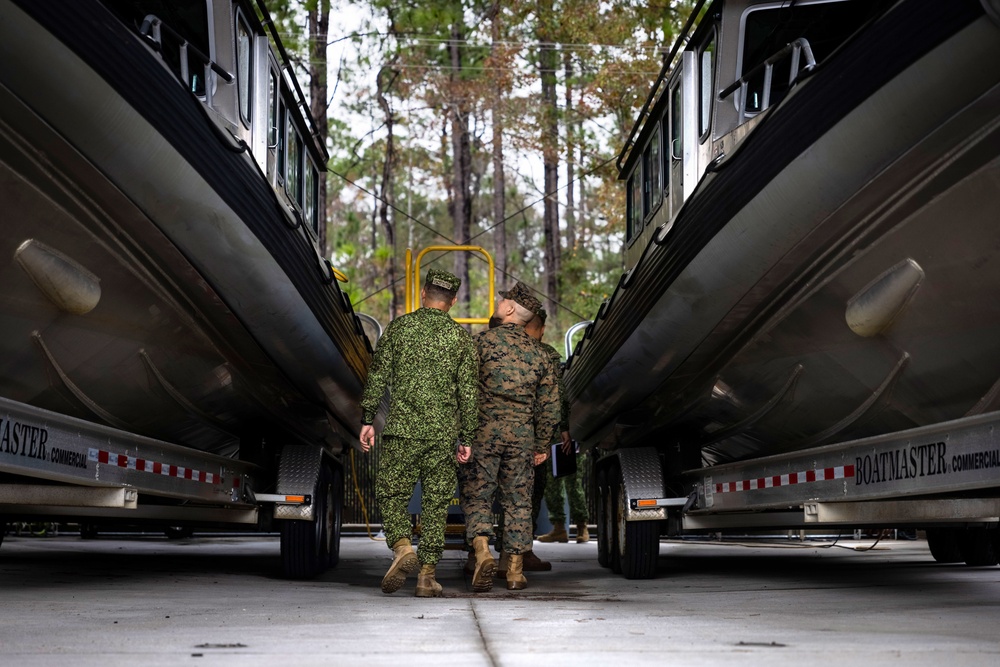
{"points": [[159, 180], [812, 253]]}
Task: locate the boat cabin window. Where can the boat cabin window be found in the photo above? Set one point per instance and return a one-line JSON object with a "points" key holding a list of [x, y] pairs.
{"points": [[244, 66], [633, 216], [676, 122], [280, 167], [651, 169], [312, 198], [707, 86], [293, 183], [769, 28], [272, 110]]}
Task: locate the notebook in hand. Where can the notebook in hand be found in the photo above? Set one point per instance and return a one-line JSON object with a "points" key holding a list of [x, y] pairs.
{"points": [[562, 464]]}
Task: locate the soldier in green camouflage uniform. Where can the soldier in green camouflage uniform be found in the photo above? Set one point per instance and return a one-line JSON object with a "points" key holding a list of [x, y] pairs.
{"points": [[430, 367], [518, 409], [553, 487]]}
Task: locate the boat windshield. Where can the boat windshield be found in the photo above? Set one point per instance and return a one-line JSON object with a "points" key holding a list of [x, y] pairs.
{"points": [[186, 20], [768, 28]]}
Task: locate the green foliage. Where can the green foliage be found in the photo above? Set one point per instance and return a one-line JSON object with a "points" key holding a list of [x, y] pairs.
{"points": [[615, 50]]}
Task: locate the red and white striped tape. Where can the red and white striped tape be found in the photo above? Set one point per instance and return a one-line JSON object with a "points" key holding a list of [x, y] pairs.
{"points": [[818, 475], [154, 467]]}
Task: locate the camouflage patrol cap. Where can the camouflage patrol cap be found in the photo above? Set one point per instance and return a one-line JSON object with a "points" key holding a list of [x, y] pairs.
{"points": [[521, 294], [443, 279]]}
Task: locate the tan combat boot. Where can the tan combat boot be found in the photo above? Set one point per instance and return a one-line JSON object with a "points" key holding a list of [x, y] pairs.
{"points": [[515, 573], [470, 564], [533, 563], [558, 533], [427, 585], [582, 534], [403, 564], [482, 579], [502, 567]]}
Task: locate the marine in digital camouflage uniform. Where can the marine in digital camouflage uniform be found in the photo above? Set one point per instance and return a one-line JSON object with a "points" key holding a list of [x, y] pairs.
{"points": [[543, 471], [518, 409], [429, 365]]}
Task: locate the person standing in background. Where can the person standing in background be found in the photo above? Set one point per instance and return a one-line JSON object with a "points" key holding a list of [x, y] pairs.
{"points": [[554, 486]]}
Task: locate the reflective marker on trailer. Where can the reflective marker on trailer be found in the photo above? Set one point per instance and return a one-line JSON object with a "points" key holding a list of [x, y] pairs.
{"points": [[650, 503], [283, 499]]}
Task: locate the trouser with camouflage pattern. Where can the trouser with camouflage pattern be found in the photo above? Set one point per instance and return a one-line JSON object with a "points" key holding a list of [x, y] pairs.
{"points": [[402, 462], [537, 496], [507, 469], [554, 497]]}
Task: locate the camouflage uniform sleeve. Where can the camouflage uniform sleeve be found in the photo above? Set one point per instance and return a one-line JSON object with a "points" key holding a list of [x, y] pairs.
{"points": [[546, 408], [468, 390], [378, 377]]}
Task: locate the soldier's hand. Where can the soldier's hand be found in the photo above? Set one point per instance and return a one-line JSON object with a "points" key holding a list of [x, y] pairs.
{"points": [[367, 437], [541, 458], [463, 454], [567, 443]]}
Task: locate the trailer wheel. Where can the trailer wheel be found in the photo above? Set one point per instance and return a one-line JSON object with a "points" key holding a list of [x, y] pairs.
{"points": [[334, 518], [603, 534], [638, 543], [943, 543], [303, 555], [979, 546], [614, 519]]}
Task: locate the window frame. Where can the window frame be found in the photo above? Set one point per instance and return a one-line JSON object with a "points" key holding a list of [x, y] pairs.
{"points": [[652, 192], [244, 75], [293, 172], [705, 123]]}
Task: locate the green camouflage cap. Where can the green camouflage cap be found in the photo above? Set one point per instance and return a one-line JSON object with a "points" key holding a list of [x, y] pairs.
{"points": [[443, 279], [521, 294]]}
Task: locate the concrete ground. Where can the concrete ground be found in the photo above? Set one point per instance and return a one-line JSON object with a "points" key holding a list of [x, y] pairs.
{"points": [[218, 600]]}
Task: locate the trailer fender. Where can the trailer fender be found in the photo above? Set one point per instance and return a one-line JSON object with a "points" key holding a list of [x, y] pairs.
{"points": [[298, 473], [642, 477]]}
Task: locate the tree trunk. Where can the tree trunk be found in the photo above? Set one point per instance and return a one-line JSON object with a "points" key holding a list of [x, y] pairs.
{"points": [[547, 61], [570, 154], [462, 160], [499, 179], [319, 31], [386, 191]]}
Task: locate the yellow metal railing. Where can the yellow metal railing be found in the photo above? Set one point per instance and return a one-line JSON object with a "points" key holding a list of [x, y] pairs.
{"points": [[412, 300]]}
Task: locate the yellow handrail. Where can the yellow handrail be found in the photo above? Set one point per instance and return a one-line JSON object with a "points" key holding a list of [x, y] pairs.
{"points": [[413, 278]]}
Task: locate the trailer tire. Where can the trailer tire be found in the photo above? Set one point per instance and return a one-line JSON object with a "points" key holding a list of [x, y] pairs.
{"points": [[334, 518], [943, 543], [638, 543], [303, 555], [615, 519], [979, 547], [603, 534]]}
